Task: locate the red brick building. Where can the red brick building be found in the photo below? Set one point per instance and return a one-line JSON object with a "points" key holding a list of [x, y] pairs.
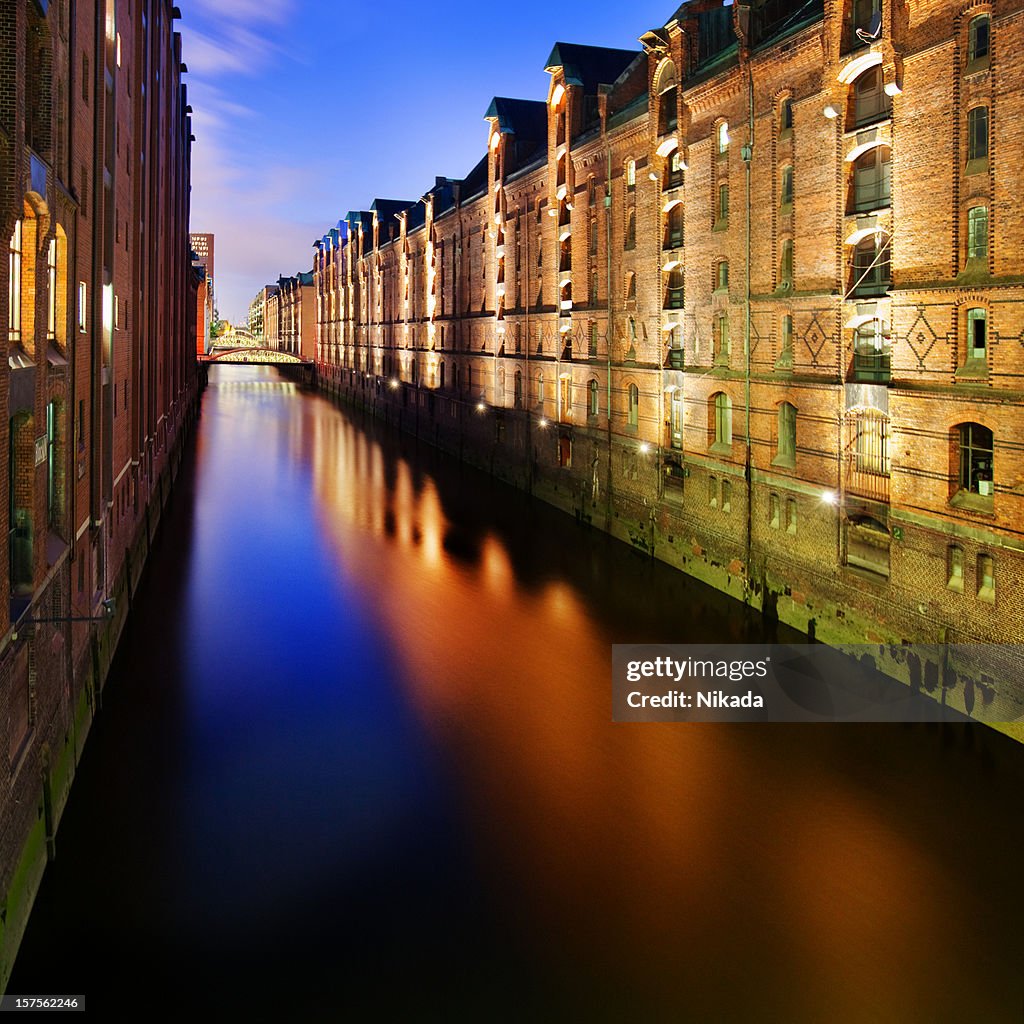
{"points": [[749, 297], [100, 380]]}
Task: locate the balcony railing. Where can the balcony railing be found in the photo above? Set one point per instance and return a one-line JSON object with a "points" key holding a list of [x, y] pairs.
{"points": [[865, 482]]}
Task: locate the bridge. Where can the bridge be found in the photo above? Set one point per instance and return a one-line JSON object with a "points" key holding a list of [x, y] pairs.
{"points": [[252, 353]]}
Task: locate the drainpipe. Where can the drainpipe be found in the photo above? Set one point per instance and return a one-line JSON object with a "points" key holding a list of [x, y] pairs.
{"points": [[747, 154]]}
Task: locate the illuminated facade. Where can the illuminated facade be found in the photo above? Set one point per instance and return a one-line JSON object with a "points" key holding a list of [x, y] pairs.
{"points": [[750, 298], [98, 302]]}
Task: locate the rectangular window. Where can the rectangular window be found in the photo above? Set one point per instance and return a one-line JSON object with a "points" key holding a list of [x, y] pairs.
{"points": [[14, 285], [773, 511], [791, 515], [978, 40], [986, 578], [726, 496], [723, 202], [977, 320], [713, 491], [977, 133], [977, 233], [81, 306], [51, 291], [787, 186], [955, 567]]}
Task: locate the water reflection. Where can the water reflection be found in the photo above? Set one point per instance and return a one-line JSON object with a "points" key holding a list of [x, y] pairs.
{"points": [[387, 765]]}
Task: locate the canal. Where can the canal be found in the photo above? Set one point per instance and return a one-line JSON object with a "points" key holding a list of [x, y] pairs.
{"points": [[356, 756]]}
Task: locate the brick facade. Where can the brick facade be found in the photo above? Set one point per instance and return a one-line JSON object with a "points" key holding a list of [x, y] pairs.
{"points": [[744, 298], [100, 378]]}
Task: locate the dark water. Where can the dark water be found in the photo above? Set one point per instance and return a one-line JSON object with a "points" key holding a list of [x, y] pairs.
{"points": [[356, 762]]}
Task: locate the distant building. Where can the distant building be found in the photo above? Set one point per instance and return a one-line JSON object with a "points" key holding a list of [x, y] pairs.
{"points": [[298, 315], [202, 246], [258, 319]]}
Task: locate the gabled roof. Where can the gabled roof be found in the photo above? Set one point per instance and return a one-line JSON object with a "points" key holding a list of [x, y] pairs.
{"points": [[589, 66]]}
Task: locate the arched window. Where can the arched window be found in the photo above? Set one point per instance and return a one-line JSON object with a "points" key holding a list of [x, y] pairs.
{"points": [[630, 287], [870, 103], [786, 264], [630, 175], [722, 419], [518, 393], [871, 275], [977, 233], [674, 227], [722, 275], [633, 406], [871, 352], [674, 289], [977, 333], [785, 449], [723, 138], [872, 180], [785, 117], [977, 133], [668, 115], [978, 42], [722, 342], [786, 186], [630, 235], [674, 169], [593, 393], [972, 447], [723, 204]]}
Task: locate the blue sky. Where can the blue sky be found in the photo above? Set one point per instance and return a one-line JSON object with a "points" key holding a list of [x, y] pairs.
{"points": [[305, 110]]}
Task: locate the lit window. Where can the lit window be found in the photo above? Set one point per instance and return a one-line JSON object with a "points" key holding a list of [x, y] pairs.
{"points": [[723, 137], [51, 291], [14, 285], [977, 233], [675, 170], [82, 304], [630, 175]]}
